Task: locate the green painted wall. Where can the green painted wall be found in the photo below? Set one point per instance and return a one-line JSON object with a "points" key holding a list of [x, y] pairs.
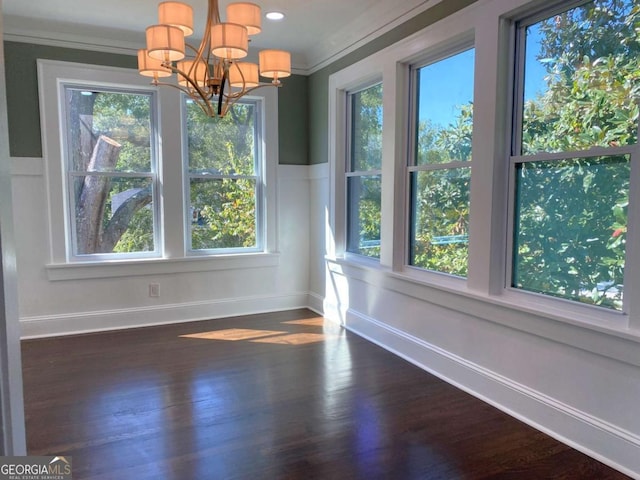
{"points": [[319, 81], [22, 88], [24, 113], [293, 120]]}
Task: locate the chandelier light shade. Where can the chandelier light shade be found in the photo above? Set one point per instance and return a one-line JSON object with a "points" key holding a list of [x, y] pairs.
{"points": [[275, 64], [247, 14], [165, 42], [210, 73], [176, 14], [244, 75], [151, 67], [229, 41]]}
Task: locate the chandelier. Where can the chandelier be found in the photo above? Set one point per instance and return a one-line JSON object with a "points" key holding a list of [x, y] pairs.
{"points": [[211, 74]]}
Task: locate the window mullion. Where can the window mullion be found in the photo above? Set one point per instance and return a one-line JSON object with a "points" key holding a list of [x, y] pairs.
{"points": [[361, 173], [112, 174], [591, 152], [439, 166]]}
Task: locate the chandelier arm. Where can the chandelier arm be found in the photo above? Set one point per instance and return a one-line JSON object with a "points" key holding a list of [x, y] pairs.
{"points": [[205, 95], [157, 83], [240, 94], [205, 107], [213, 18], [213, 7]]}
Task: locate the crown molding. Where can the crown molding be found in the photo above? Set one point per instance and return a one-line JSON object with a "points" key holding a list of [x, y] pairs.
{"points": [[328, 50], [324, 55]]}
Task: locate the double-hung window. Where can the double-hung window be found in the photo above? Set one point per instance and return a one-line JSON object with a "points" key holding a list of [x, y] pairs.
{"points": [[364, 170], [224, 178], [574, 143], [111, 171], [439, 172]]}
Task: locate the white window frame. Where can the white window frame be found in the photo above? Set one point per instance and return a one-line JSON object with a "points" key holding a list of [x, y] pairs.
{"points": [[259, 177], [571, 308], [449, 49], [490, 25], [72, 255], [172, 245]]}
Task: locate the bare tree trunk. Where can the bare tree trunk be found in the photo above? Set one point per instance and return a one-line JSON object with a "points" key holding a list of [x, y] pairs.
{"points": [[121, 219], [93, 198], [81, 132]]}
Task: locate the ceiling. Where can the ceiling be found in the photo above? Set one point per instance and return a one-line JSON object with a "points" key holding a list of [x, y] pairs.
{"points": [[315, 31]]}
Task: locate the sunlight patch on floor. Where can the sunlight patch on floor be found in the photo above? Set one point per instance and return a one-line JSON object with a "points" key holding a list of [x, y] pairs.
{"points": [[233, 334], [293, 339], [313, 322]]}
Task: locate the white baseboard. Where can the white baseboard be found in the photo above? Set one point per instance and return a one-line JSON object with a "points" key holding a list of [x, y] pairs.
{"points": [[86, 322], [315, 303], [599, 439]]}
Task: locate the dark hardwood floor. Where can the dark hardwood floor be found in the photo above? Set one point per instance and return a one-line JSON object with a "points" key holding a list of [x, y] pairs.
{"points": [[274, 396]]}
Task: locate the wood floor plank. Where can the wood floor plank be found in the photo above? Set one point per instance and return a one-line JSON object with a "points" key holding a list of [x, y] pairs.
{"points": [[275, 396]]}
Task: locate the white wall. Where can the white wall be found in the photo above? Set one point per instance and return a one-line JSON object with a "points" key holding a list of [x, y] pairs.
{"points": [[318, 218], [54, 307]]}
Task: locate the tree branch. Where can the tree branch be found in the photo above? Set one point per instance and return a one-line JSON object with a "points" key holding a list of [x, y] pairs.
{"points": [[122, 217]]}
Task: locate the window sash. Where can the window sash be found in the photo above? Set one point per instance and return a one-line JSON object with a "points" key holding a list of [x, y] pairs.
{"points": [[257, 177], [353, 245], [72, 174], [413, 168], [517, 158]]}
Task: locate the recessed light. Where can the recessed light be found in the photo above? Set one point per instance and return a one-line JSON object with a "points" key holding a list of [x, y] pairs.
{"points": [[275, 15]]}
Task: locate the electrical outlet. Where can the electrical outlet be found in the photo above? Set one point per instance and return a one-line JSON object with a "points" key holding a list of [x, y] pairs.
{"points": [[154, 289]]}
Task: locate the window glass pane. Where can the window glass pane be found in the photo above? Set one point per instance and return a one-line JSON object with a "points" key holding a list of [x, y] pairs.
{"points": [[581, 80], [571, 226], [108, 131], [223, 213], [444, 111], [222, 145], [440, 220], [224, 208], [363, 215], [119, 222], [366, 129]]}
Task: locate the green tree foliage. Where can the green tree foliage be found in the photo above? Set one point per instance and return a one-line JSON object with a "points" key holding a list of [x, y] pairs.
{"points": [[223, 168], [441, 197], [126, 118], [571, 228]]}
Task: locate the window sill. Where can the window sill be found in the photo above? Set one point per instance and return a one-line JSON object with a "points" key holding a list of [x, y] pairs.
{"points": [[159, 266]]}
